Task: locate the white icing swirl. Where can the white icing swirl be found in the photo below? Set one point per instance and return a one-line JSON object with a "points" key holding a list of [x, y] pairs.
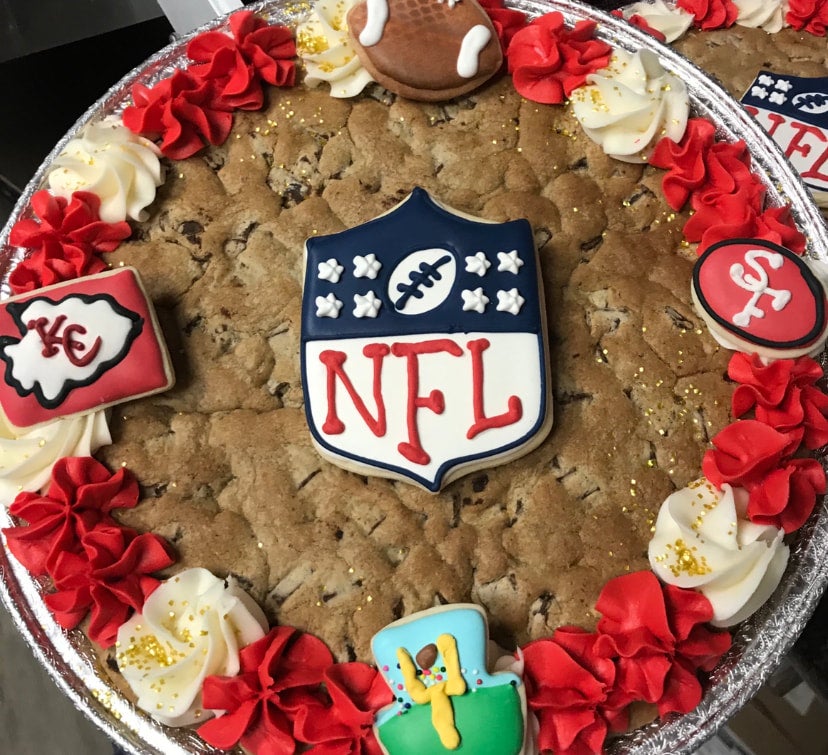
{"points": [[27, 456], [631, 104], [704, 540], [767, 15], [325, 48], [107, 159], [671, 21], [192, 626]]}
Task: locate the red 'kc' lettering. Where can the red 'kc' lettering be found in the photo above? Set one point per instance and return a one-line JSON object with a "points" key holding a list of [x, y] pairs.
{"points": [[53, 341]]}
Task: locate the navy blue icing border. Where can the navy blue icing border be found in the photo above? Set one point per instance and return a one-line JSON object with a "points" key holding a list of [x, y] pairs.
{"points": [[15, 309], [447, 466], [419, 222], [810, 279]]}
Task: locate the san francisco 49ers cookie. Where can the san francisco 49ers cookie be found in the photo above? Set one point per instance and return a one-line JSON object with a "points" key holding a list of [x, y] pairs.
{"points": [[757, 296], [425, 49], [423, 348], [80, 346]]}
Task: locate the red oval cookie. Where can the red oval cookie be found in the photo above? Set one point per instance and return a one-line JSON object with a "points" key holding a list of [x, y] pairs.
{"points": [[760, 292]]}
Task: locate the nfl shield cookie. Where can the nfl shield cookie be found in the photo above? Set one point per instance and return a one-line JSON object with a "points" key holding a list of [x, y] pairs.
{"points": [[424, 353], [79, 346], [757, 296], [794, 111]]}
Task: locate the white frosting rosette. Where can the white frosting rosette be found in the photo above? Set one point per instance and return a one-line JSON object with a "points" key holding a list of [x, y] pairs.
{"points": [[192, 626], [107, 159], [767, 15], [324, 46], [27, 456], [671, 21], [703, 540], [629, 105]]}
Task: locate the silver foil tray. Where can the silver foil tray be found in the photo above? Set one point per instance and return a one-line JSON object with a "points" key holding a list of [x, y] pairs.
{"points": [[759, 643]]}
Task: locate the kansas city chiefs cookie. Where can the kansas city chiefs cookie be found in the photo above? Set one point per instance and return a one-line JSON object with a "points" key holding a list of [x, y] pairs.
{"points": [[425, 50], [79, 346]]}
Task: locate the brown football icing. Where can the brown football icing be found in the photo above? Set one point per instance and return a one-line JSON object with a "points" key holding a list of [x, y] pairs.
{"points": [[416, 56]]}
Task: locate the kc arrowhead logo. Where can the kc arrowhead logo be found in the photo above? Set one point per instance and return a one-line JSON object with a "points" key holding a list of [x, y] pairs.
{"points": [[79, 346], [423, 348], [65, 344]]}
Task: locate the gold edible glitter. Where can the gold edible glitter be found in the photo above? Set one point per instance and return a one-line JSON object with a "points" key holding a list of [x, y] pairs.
{"points": [[685, 561]]}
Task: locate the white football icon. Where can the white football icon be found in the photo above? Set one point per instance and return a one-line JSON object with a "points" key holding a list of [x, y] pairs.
{"points": [[814, 103], [422, 281]]}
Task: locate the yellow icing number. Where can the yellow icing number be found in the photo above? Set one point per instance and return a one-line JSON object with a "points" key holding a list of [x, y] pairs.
{"points": [[442, 713]]}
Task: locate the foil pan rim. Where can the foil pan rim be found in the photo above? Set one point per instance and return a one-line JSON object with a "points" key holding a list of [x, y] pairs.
{"points": [[759, 644]]}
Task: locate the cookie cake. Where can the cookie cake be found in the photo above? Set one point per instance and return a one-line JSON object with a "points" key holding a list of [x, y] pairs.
{"points": [[435, 350]]}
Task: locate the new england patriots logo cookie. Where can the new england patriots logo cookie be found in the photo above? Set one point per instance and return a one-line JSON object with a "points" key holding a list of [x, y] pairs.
{"points": [[423, 347]]}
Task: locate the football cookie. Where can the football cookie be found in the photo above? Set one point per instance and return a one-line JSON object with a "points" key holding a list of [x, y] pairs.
{"points": [[425, 49]]}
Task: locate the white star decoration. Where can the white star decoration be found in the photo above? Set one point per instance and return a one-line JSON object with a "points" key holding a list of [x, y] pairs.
{"points": [[478, 264], [509, 263], [509, 301], [474, 300], [367, 306], [330, 270], [367, 266], [328, 306]]}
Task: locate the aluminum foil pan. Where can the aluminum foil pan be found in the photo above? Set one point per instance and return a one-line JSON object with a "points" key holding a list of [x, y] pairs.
{"points": [[760, 642]]}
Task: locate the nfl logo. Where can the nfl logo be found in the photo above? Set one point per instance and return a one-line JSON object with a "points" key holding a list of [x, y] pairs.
{"points": [[794, 111], [423, 346]]}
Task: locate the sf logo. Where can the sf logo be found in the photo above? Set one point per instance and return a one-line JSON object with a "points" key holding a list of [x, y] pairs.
{"points": [[54, 341], [758, 285]]}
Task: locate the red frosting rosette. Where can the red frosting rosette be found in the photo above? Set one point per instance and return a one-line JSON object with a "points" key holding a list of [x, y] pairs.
{"points": [[571, 690], [657, 636], [684, 161], [752, 455], [239, 63], [185, 111], [95, 564], [278, 674], [726, 196], [787, 495], [547, 60], [783, 394], [80, 498], [110, 578], [810, 15], [710, 14], [66, 241], [194, 106], [343, 724], [506, 21]]}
